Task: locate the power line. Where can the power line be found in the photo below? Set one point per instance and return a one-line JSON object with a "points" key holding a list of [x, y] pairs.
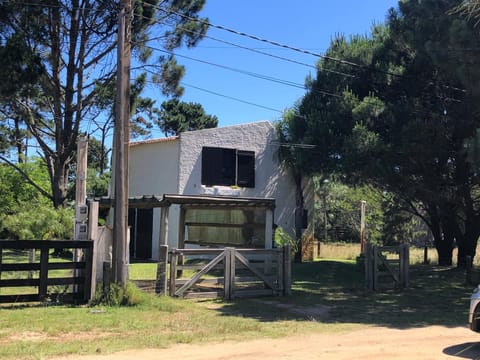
{"points": [[232, 98], [289, 47], [255, 50], [248, 73], [257, 38]]}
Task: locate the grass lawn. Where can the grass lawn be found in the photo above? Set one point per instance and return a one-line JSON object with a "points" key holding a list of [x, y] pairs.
{"points": [[327, 296]]}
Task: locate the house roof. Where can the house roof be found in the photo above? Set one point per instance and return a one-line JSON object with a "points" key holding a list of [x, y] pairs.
{"points": [[153, 141], [198, 201]]}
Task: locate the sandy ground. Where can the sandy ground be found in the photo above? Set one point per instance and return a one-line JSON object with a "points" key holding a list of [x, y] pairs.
{"points": [[375, 343]]}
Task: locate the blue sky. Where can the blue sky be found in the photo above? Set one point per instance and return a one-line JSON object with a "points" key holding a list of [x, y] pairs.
{"points": [[305, 24]]}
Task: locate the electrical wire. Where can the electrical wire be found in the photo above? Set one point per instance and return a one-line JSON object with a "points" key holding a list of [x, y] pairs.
{"points": [[248, 73]]}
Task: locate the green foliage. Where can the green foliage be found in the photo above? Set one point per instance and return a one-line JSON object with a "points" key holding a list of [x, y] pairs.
{"points": [[24, 212], [74, 46], [116, 295], [178, 116], [401, 119], [18, 194], [386, 222], [282, 238], [41, 222]]}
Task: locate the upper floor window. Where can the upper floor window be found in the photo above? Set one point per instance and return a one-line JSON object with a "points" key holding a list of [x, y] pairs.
{"points": [[228, 167]]}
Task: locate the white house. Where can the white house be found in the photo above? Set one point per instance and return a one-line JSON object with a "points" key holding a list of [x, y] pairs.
{"points": [[235, 161]]}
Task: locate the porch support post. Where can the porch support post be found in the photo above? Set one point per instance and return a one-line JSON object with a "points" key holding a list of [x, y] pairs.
{"points": [[161, 282], [268, 228], [163, 240]]}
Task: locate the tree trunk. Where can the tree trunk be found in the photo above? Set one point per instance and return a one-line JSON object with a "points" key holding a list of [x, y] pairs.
{"points": [[443, 244], [60, 182], [298, 217], [467, 244]]}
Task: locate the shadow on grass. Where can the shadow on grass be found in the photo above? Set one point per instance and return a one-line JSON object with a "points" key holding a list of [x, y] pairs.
{"points": [[333, 292]]}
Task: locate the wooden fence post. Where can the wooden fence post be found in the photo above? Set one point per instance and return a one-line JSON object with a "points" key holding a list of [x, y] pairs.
{"points": [[229, 273], [280, 272], [42, 288], [89, 282], [404, 264], [173, 271], [107, 277], [368, 266], [287, 270], [375, 268], [94, 253], [161, 282]]}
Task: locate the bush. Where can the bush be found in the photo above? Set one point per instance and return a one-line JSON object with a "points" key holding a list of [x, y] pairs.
{"points": [[118, 296], [282, 238]]}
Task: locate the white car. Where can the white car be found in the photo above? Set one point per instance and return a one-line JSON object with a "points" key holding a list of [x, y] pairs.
{"points": [[474, 314]]}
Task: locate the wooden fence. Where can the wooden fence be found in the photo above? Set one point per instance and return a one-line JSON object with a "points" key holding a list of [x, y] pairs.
{"points": [[226, 272], [386, 266], [75, 283]]}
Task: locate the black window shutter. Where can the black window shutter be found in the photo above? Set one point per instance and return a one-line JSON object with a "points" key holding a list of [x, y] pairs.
{"points": [[211, 165], [218, 166], [246, 168]]}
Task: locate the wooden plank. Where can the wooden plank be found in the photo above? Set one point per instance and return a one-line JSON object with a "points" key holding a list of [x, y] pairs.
{"points": [[383, 261], [227, 264], [1, 261], [18, 298], [253, 279], [42, 286], [94, 251], [232, 274], [88, 276], [254, 293], [287, 270], [21, 267], [173, 273], [206, 281], [45, 244], [197, 267], [223, 225], [19, 282], [161, 278], [65, 281], [187, 252], [36, 266], [204, 294], [245, 262], [197, 276]]}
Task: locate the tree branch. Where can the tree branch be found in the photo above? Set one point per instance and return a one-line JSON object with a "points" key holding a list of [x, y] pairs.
{"points": [[27, 178]]}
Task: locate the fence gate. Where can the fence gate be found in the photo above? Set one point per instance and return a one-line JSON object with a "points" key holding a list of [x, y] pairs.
{"points": [[27, 278], [229, 272], [386, 266]]}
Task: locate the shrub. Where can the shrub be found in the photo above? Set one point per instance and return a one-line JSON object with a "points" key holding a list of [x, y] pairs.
{"points": [[118, 296]]}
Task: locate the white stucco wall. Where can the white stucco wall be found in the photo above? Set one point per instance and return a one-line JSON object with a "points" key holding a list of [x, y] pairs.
{"points": [[153, 167], [153, 170], [270, 180], [174, 167]]}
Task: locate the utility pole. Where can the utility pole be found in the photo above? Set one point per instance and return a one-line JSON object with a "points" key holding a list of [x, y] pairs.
{"points": [[122, 135], [81, 182]]}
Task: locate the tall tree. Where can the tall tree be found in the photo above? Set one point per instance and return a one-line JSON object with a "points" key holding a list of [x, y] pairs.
{"points": [[62, 53], [396, 111], [177, 116]]}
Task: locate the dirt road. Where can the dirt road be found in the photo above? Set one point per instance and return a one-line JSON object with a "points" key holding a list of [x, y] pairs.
{"points": [[375, 343]]}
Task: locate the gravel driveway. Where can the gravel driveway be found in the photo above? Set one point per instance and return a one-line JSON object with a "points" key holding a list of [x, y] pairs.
{"points": [[373, 343]]}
